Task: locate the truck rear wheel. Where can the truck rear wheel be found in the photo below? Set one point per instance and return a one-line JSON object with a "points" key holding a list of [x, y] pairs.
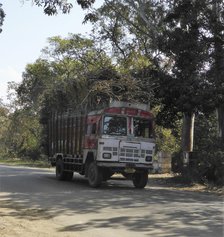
{"points": [[61, 174], [95, 176], [140, 179]]}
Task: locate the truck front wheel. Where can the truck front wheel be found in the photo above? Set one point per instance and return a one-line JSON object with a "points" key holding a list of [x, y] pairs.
{"points": [[140, 179], [95, 176]]}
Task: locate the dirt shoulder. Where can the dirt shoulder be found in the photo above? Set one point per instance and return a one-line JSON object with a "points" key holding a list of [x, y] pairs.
{"points": [[176, 182]]}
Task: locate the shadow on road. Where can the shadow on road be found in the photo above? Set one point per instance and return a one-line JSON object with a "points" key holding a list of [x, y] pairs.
{"points": [[38, 195]]}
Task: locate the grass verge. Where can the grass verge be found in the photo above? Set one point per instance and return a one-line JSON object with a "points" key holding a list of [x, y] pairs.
{"points": [[25, 162]]}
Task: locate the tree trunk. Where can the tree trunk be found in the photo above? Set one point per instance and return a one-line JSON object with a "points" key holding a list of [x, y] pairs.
{"points": [[188, 132], [220, 115]]}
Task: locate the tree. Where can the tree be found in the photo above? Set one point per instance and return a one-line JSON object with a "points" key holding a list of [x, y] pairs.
{"points": [[22, 137], [2, 16], [37, 78], [73, 73], [215, 25], [4, 120], [182, 33], [62, 78]]}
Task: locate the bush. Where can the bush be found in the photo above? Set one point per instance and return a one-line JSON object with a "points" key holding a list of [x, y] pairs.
{"points": [[205, 166], [31, 154], [211, 162]]}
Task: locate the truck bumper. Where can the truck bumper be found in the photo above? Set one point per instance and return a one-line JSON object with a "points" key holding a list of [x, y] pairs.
{"points": [[125, 165]]}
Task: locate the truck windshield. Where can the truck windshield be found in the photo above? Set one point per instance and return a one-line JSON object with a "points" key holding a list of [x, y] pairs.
{"points": [[143, 128], [115, 125]]}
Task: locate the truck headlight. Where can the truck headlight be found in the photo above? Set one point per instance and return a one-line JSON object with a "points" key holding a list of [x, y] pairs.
{"points": [[106, 156]]}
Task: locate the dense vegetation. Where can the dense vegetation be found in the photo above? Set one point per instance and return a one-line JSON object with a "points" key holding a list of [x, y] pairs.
{"points": [[169, 53]]}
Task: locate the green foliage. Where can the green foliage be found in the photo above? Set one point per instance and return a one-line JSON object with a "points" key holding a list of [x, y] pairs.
{"points": [[23, 135], [182, 33], [37, 79], [205, 130], [209, 149], [4, 120], [120, 26], [53, 7], [166, 141], [76, 73], [211, 161], [63, 78], [2, 16]]}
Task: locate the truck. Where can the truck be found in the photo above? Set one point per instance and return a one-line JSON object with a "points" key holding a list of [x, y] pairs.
{"points": [[116, 139]]}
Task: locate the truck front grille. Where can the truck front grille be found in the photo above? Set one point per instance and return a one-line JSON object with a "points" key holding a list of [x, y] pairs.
{"points": [[133, 155], [128, 154]]}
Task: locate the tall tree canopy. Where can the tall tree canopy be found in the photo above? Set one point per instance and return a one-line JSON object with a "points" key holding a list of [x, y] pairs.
{"points": [[183, 39], [63, 76], [75, 72]]}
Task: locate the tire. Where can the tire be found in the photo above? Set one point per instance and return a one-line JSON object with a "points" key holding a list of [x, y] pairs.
{"points": [[61, 174], [95, 176], [140, 180]]}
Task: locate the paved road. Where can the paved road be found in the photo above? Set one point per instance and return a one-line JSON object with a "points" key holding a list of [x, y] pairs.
{"points": [[54, 208]]}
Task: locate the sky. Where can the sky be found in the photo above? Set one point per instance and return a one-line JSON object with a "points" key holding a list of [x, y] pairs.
{"points": [[25, 32]]}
